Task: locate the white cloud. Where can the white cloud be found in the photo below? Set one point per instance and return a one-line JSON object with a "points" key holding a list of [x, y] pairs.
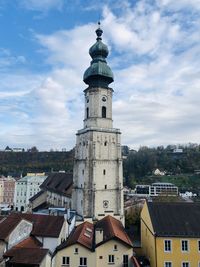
{"points": [[155, 60]]}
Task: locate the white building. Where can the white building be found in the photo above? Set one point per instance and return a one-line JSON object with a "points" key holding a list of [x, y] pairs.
{"points": [[97, 177], [25, 188], [156, 189]]}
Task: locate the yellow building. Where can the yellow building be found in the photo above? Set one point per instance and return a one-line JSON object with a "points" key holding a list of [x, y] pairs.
{"points": [[170, 234], [98, 245]]}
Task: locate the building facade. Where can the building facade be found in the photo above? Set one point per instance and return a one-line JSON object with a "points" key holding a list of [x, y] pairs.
{"points": [[157, 189], [7, 190], [98, 188], [25, 188], [170, 234], [103, 244]]}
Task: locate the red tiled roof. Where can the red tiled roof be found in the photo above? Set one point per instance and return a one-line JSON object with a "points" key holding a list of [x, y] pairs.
{"points": [[30, 242], [113, 228], [83, 234], [43, 225], [28, 256]]}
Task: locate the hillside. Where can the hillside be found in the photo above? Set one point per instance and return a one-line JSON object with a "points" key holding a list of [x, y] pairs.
{"points": [[181, 168], [17, 163]]}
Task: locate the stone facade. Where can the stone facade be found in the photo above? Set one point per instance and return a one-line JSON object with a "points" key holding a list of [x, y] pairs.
{"points": [[98, 182]]}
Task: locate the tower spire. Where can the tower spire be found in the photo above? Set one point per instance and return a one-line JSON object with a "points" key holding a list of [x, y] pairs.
{"points": [[99, 73], [99, 31]]}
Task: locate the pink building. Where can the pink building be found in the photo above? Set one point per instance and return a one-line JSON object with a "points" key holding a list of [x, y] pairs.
{"points": [[7, 189]]}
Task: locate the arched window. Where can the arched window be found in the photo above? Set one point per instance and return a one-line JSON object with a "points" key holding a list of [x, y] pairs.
{"points": [[87, 113], [103, 112]]}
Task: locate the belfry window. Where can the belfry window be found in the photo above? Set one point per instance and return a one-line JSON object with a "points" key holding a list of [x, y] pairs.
{"points": [[103, 112], [87, 113]]}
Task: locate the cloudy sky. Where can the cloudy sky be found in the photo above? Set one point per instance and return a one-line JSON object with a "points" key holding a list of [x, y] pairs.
{"points": [[154, 54]]}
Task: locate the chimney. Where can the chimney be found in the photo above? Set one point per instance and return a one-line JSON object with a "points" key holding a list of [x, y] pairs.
{"points": [[98, 235]]}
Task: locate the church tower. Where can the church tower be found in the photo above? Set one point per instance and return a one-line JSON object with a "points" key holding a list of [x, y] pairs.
{"points": [[98, 181]]}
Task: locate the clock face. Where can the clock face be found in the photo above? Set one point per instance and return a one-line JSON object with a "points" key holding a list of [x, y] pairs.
{"points": [[105, 203], [104, 98]]}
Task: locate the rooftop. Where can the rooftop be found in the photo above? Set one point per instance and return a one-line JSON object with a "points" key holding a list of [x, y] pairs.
{"points": [[84, 234], [43, 225], [181, 219], [60, 183]]}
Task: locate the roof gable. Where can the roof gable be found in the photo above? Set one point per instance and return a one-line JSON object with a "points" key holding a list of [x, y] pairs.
{"points": [[84, 234], [113, 229]]}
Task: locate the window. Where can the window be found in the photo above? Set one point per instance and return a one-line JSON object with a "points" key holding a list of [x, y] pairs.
{"points": [[184, 245], [111, 259], [104, 172], [199, 245], [76, 251], [185, 264], [65, 261], [105, 186], [83, 261], [168, 264], [125, 260], [105, 143], [115, 247], [167, 245], [103, 112], [87, 113]]}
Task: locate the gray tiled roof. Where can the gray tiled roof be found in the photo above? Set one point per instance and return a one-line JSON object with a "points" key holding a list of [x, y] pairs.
{"points": [[60, 183], [179, 219]]}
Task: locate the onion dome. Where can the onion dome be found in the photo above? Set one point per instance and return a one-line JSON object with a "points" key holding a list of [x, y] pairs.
{"points": [[99, 74]]}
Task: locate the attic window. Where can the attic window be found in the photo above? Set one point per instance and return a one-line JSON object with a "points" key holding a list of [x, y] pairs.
{"points": [[115, 247], [87, 235], [76, 251], [88, 229]]}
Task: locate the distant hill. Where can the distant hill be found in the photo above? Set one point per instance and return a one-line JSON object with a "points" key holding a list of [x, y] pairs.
{"points": [[17, 163], [176, 163]]}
